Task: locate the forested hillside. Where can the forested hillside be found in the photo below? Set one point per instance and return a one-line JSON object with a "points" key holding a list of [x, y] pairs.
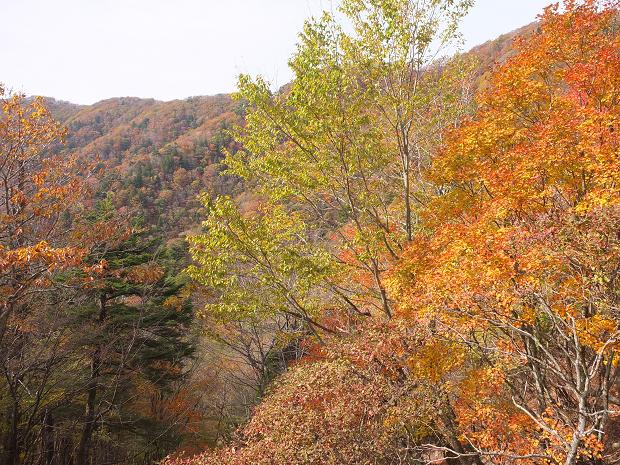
{"points": [[404, 256], [155, 156], [102, 357]]}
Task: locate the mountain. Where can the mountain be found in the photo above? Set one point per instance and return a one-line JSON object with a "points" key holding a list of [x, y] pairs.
{"points": [[497, 51], [156, 157], [61, 109]]}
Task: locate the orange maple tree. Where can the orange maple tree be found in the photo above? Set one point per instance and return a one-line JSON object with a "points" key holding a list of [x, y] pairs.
{"points": [[36, 193], [520, 261]]}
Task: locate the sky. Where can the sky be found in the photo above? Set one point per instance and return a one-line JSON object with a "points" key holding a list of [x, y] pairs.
{"points": [[84, 51]]}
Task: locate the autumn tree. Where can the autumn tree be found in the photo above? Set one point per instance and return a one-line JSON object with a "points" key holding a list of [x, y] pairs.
{"points": [[505, 302], [323, 153], [520, 260], [95, 324], [38, 191], [374, 397], [138, 340], [334, 162]]}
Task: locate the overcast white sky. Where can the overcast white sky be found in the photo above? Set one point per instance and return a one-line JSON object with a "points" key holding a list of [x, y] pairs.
{"points": [[87, 50]]}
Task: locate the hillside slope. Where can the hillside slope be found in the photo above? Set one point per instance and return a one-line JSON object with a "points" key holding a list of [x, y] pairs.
{"points": [[155, 156], [158, 156]]}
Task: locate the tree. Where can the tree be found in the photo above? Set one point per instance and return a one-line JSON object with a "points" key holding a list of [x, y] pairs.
{"points": [[520, 261], [36, 190], [38, 194], [399, 48], [363, 107], [374, 397], [334, 184], [335, 410], [138, 318], [246, 262], [92, 320], [264, 289], [503, 343]]}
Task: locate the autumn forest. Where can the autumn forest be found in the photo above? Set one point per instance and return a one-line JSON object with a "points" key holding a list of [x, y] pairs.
{"points": [[409, 254]]}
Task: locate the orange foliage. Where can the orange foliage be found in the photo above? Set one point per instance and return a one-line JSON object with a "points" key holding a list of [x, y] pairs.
{"points": [[36, 191], [520, 258]]}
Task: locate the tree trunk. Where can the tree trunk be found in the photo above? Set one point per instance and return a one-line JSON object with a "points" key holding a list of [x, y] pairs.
{"points": [[462, 454], [47, 439], [11, 455], [407, 200], [90, 414]]}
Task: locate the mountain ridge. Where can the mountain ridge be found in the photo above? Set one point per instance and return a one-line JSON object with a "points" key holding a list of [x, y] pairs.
{"points": [[158, 156]]}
